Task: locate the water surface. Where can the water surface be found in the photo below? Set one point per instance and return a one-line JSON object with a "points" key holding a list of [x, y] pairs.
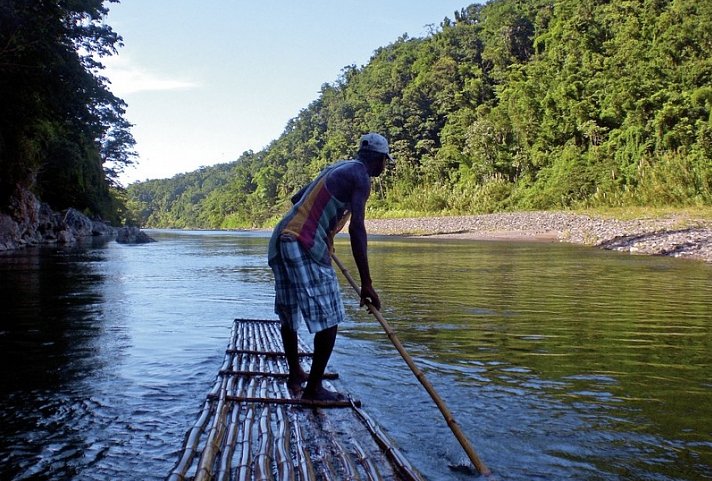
{"points": [[558, 361]]}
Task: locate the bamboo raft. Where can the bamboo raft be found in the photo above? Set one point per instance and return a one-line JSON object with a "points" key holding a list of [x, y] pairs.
{"points": [[252, 428]]}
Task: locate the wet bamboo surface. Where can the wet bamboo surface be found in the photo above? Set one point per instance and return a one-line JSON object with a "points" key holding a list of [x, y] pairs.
{"points": [[252, 428]]}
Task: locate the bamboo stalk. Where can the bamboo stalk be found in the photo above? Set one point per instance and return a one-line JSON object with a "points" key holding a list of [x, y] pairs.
{"points": [[254, 321], [454, 426], [255, 398], [348, 467], [282, 455], [241, 336], [244, 465], [372, 472], [306, 469], [263, 462], [224, 469], [215, 438], [244, 366], [250, 339], [232, 418], [275, 344], [402, 465], [262, 338], [258, 352], [325, 473], [243, 448], [270, 373]]}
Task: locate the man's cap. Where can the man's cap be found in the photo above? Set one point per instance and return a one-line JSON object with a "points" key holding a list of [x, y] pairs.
{"points": [[376, 143]]}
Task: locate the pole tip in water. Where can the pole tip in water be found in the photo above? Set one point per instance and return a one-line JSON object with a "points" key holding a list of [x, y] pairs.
{"points": [[464, 466]]}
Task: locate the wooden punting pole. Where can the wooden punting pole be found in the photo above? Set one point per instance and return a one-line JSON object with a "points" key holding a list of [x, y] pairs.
{"points": [[454, 426]]}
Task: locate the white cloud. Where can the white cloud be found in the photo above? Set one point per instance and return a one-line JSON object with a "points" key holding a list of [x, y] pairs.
{"points": [[128, 78]]}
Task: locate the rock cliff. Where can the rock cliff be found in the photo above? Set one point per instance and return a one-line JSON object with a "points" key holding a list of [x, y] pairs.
{"points": [[27, 221]]}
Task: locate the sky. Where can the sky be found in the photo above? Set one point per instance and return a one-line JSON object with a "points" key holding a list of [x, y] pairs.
{"points": [[206, 80]]}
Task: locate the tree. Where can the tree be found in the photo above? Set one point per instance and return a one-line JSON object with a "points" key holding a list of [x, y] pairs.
{"points": [[62, 131]]}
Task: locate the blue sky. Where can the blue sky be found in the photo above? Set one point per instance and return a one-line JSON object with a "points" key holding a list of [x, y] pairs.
{"points": [[207, 80]]}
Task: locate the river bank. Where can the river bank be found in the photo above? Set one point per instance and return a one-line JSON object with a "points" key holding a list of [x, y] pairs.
{"points": [[674, 235], [30, 222]]}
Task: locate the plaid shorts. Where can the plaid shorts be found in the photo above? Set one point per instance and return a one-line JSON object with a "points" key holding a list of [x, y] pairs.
{"points": [[305, 288]]}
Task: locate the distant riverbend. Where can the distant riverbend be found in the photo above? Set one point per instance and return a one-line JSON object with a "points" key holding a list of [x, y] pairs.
{"points": [[670, 236]]}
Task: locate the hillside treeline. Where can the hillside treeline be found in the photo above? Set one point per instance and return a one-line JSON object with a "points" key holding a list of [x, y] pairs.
{"points": [[513, 105], [63, 135]]}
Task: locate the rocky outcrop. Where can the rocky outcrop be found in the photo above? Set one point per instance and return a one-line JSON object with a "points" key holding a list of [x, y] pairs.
{"points": [[132, 235], [9, 232], [31, 222]]}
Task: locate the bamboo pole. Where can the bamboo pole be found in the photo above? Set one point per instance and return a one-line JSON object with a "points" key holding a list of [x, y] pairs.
{"points": [[270, 373], [244, 464], [216, 435], [255, 352], [263, 461], [233, 428], [348, 467], [282, 451], [401, 464], [312, 403], [304, 464], [225, 466], [371, 470], [454, 426]]}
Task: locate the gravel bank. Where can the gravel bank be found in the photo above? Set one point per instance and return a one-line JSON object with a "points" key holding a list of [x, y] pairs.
{"points": [[674, 236]]}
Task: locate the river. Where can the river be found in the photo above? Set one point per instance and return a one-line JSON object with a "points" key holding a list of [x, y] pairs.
{"points": [[558, 361]]}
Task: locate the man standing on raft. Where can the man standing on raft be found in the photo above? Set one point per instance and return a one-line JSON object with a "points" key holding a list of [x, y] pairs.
{"points": [[300, 257]]}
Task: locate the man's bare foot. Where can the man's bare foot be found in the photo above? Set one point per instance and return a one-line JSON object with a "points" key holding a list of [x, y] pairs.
{"points": [[295, 383], [322, 394]]}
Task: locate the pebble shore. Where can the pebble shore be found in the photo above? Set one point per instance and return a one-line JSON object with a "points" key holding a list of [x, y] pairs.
{"points": [[673, 236]]}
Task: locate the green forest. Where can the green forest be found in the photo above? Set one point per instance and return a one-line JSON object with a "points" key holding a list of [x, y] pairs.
{"points": [[63, 135], [512, 105]]}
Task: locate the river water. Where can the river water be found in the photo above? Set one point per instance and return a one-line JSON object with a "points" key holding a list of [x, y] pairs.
{"points": [[558, 361]]}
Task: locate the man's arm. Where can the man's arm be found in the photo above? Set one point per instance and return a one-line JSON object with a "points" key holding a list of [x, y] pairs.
{"points": [[359, 244]]}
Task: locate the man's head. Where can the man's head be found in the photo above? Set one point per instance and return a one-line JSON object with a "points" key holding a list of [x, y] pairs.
{"points": [[374, 150]]}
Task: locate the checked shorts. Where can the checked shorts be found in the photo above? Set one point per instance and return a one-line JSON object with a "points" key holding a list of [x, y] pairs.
{"points": [[305, 289]]}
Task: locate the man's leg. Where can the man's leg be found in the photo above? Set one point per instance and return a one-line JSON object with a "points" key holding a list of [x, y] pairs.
{"points": [[323, 346], [319, 299], [285, 306], [296, 374]]}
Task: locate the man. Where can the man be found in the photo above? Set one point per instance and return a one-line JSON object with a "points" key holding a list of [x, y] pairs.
{"points": [[300, 256]]}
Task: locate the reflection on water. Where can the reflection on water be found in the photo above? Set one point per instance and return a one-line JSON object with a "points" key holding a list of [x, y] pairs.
{"points": [[562, 362], [559, 362]]}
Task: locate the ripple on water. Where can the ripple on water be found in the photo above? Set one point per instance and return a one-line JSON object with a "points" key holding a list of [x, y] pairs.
{"points": [[557, 362]]}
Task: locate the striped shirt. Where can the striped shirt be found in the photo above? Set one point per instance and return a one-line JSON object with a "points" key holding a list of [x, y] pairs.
{"points": [[314, 220]]}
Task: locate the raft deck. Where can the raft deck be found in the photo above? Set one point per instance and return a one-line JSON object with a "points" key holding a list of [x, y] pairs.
{"points": [[252, 428]]}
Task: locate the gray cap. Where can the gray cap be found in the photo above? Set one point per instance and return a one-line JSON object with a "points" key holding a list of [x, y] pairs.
{"points": [[376, 143]]}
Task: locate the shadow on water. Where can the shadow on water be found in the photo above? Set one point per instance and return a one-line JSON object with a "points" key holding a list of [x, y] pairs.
{"points": [[49, 344]]}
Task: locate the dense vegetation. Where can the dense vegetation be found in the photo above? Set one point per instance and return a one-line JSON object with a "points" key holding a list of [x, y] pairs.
{"points": [[62, 132], [516, 104]]}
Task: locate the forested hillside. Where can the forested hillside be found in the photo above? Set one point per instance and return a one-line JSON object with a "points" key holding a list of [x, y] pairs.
{"points": [[63, 135], [532, 104]]}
